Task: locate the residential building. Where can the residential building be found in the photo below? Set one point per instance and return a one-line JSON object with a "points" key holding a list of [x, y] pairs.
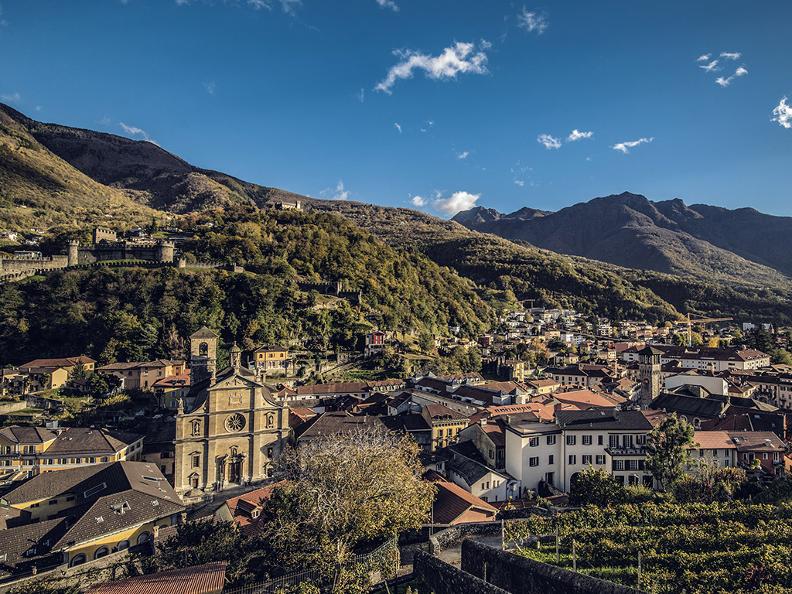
{"points": [[272, 360], [28, 451], [143, 375], [85, 513], [706, 358], [554, 453], [375, 343], [454, 505], [51, 374], [445, 422]]}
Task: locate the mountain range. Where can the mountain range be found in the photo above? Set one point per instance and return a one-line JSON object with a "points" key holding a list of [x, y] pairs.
{"points": [[739, 246], [622, 256]]}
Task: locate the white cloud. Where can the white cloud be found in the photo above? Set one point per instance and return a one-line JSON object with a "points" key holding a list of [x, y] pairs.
{"points": [[418, 201], [429, 125], [710, 66], [388, 4], [461, 58], [576, 135], [456, 202], [397, 125], [548, 141], [135, 131], [725, 82], [782, 113], [14, 97], [531, 21], [704, 58], [731, 55], [210, 87], [519, 182], [463, 155], [337, 193], [625, 146]]}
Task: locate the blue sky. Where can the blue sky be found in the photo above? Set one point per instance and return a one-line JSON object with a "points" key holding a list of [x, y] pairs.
{"points": [[433, 102]]}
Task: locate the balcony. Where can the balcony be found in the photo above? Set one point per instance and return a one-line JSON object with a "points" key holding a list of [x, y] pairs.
{"points": [[626, 451]]}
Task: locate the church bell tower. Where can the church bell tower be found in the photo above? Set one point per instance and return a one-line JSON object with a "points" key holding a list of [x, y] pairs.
{"points": [[203, 355], [650, 374]]}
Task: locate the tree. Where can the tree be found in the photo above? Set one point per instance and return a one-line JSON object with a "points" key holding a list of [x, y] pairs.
{"points": [[782, 356], [667, 450], [595, 486], [708, 482], [343, 491]]}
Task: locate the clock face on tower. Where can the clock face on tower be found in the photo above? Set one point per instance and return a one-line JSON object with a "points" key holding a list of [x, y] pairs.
{"points": [[234, 423]]}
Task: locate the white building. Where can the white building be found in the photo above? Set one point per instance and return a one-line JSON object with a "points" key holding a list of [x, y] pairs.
{"points": [[555, 452]]}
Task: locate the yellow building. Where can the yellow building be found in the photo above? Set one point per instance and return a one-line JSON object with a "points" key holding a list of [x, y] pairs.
{"points": [[272, 360], [231, 429], [51, 374], [445, 422], [85, 513], [28, 451]]}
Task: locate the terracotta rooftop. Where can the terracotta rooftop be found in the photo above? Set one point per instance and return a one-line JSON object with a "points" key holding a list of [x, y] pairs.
{"points": [[198, 579]]}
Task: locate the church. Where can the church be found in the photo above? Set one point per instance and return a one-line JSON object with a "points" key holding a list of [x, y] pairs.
{"points": [[230, 429]]}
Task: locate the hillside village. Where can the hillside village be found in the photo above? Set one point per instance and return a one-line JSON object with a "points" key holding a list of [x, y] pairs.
{"points": [[544, 399]]}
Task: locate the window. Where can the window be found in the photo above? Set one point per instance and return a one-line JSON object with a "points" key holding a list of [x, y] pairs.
{"points": [[533, 442], [551, 459], [587, 459], [196, 460], [600, 459], [534, 461], [640, 440], [618, 465], [613, 441], [551, 440], [101, 552], [572, 459], [94, 490], [53, 502], [599, 440], [587, 440], [571, 440]]}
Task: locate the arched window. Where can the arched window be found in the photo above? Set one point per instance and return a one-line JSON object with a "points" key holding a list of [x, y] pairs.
{"points": [[194, 480], [123, 545], [270, 419], [101, 552], [143, 538], [78, 559], [203, 349]]}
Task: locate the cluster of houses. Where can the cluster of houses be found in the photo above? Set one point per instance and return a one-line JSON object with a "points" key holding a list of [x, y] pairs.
{"points": [[73, 495]]}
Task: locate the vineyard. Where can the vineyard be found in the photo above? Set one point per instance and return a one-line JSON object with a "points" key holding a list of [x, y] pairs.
{"points": [[696, 548]]}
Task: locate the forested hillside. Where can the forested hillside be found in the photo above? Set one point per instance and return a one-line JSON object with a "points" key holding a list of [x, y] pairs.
{"points": [[139, 313]]}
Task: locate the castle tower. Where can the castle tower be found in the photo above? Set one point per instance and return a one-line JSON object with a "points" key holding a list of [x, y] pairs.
{"points": [[649, 374], [166, 251], [73, 255], [203, 355]]}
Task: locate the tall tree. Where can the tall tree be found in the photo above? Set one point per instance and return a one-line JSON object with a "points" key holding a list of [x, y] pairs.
{"points": [[667, 450], [343, 491]]}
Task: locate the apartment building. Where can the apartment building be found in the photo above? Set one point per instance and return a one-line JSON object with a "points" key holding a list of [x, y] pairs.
{"points": [[609, 439]]}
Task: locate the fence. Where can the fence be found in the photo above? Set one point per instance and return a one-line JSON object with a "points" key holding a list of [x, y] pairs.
{"points": [[384, 557]]}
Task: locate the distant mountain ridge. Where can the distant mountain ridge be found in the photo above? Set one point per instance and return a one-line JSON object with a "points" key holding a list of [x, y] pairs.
{"points": [[62, 180], [666, 236]]}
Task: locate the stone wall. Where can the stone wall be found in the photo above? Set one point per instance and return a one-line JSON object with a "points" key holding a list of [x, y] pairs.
{"points": [[441, 578], [451, 537], [520, 575]]}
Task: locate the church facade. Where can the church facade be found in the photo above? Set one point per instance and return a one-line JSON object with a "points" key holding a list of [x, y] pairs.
{"points": [[230, 429]]}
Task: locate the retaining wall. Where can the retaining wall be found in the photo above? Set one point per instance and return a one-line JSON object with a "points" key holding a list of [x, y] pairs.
{"points": [[520, 575]]}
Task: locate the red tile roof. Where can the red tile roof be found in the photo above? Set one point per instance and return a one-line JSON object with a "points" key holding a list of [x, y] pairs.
{"points": [[198, 579], [452, 501]]}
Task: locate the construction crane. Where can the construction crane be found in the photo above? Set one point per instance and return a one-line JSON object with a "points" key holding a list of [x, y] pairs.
{"points": [[691, 321]]}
